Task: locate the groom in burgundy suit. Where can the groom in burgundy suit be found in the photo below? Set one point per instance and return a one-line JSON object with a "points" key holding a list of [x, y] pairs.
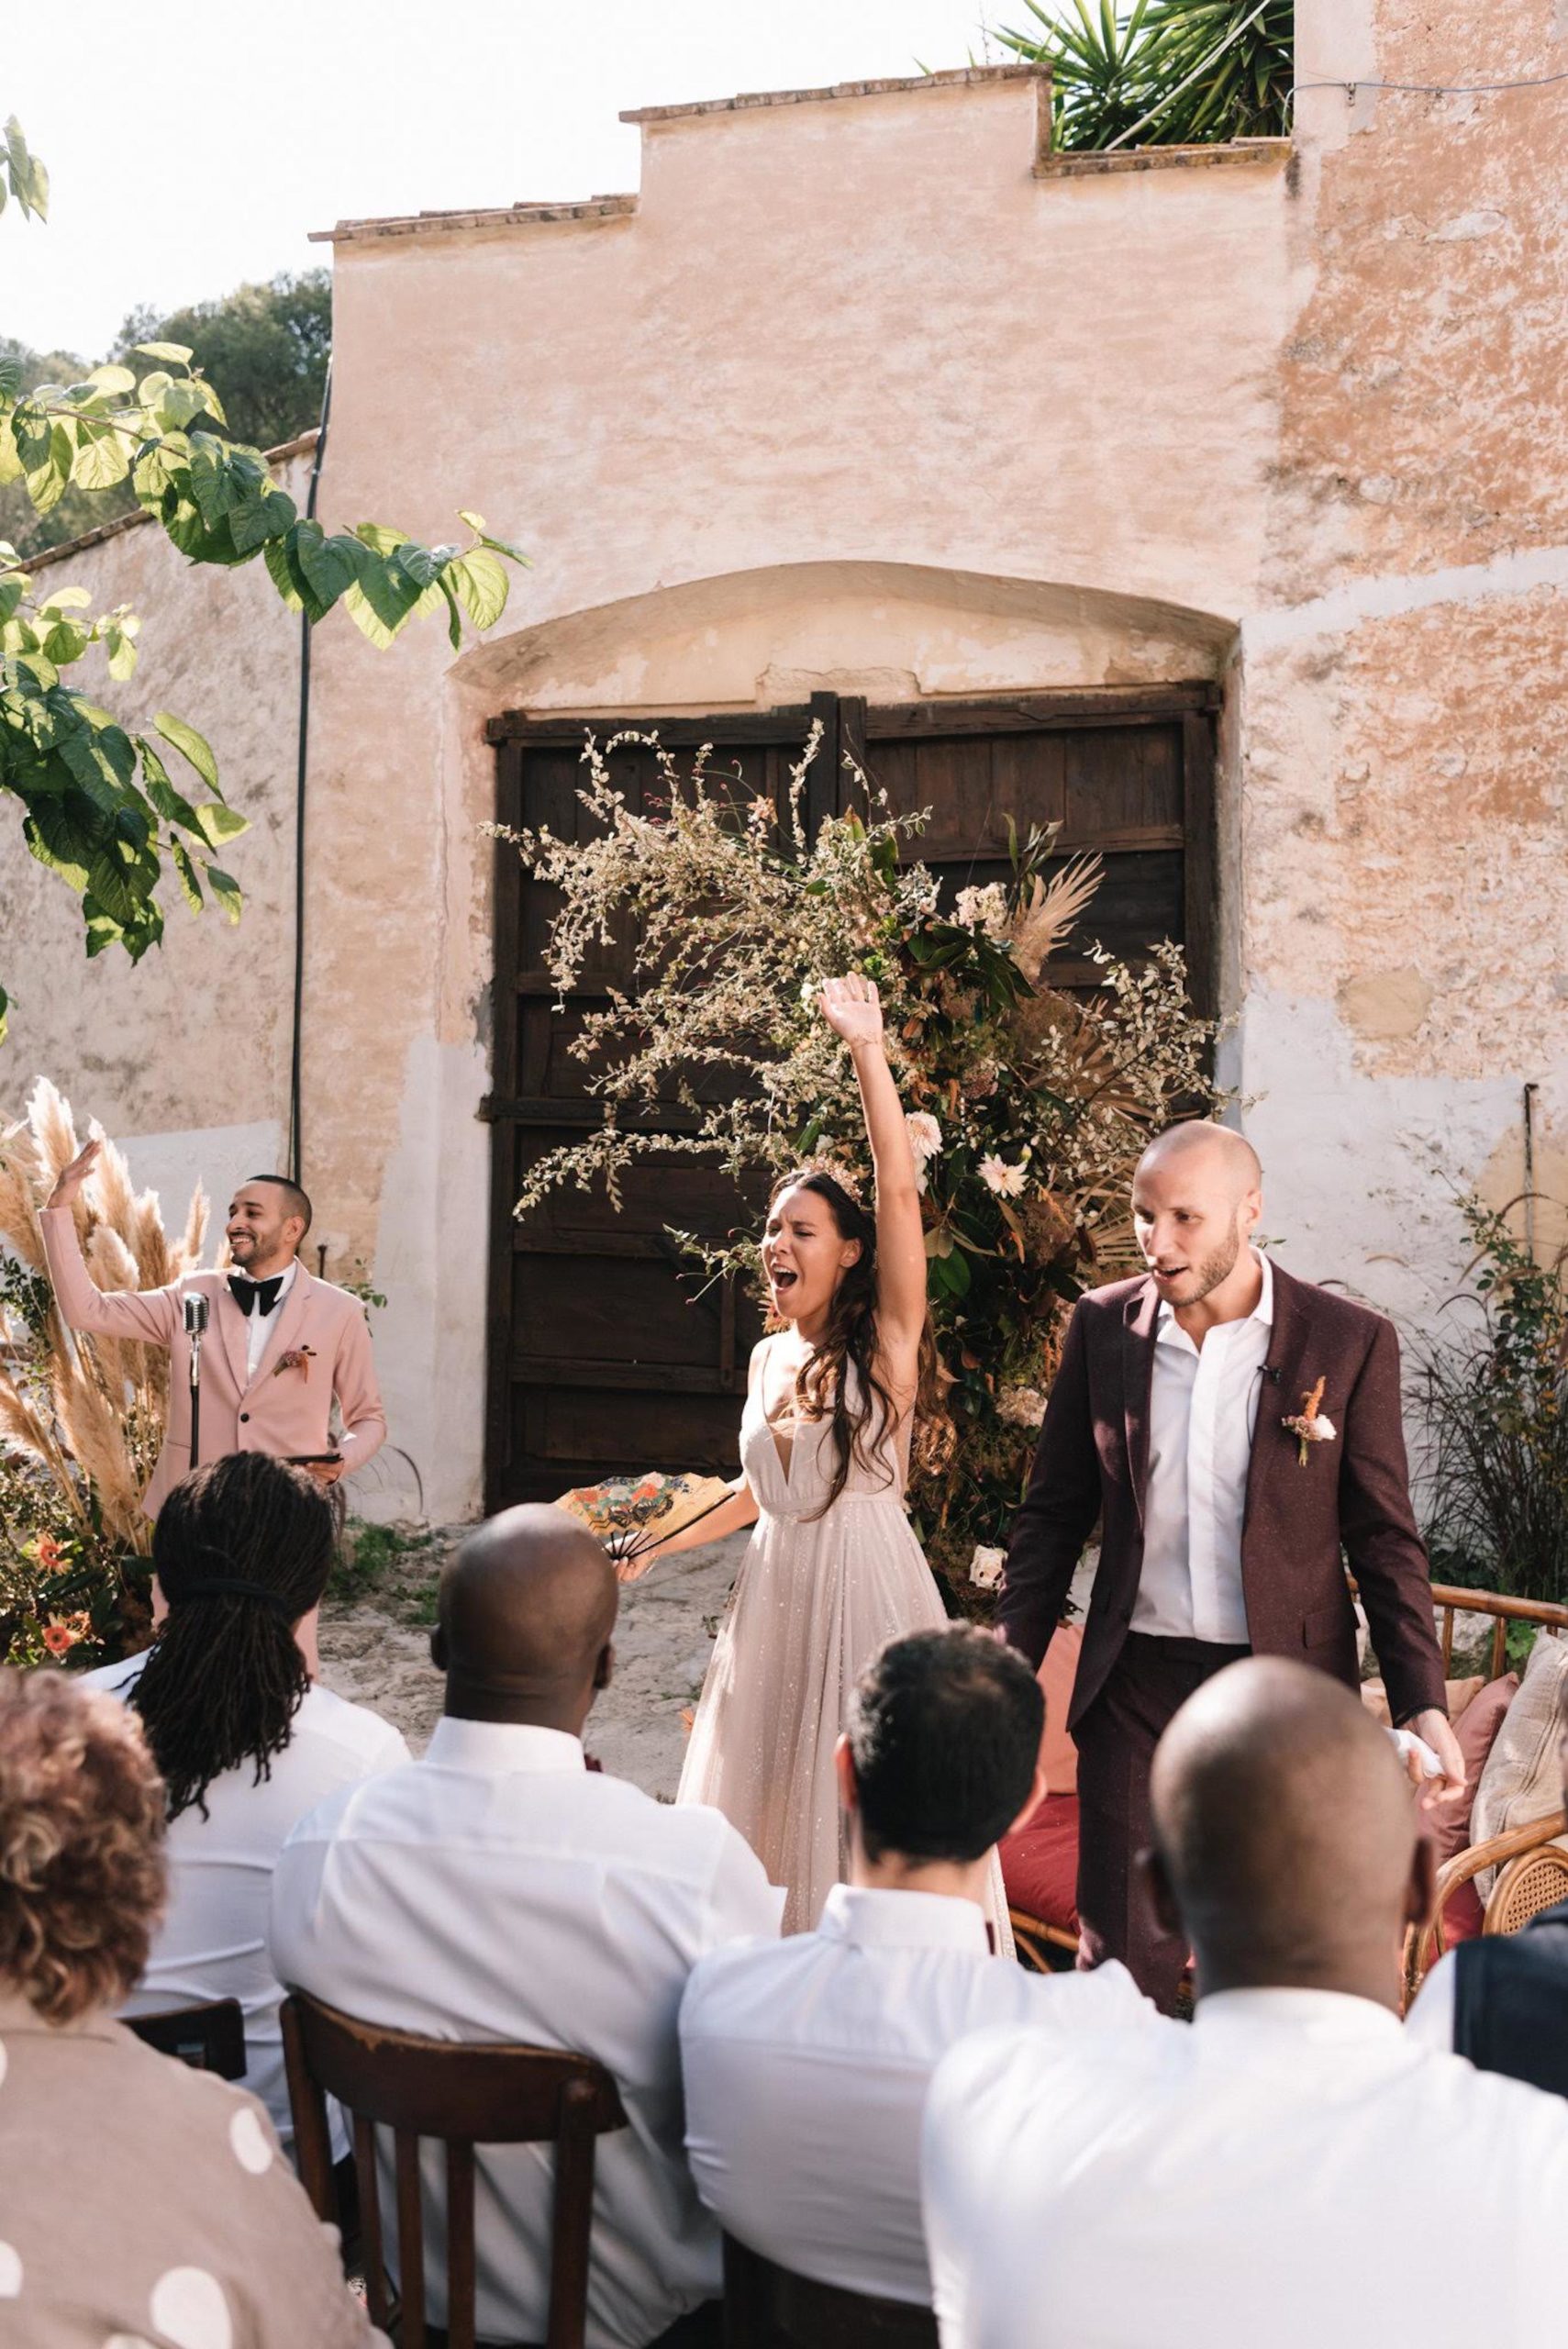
{"points": [[1221, 1524]]}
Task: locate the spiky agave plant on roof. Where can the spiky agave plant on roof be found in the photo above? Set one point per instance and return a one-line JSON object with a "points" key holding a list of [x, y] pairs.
{"points": [[1027, 1106]]}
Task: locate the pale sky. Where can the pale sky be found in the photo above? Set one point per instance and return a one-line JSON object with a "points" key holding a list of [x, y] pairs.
{"points": [[188, 154]]}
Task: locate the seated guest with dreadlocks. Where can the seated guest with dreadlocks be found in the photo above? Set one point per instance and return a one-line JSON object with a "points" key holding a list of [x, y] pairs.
{"points": [[248, 1740]]}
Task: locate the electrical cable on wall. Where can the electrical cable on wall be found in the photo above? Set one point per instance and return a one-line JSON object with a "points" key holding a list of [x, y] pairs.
{"points": [[1432, 89]]}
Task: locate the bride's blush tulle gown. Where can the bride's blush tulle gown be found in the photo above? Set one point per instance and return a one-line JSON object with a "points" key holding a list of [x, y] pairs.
{"points": [[817, 1597]]}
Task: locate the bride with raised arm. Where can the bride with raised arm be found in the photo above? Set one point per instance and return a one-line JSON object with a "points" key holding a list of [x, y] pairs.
{"points": [[838, 1396]]}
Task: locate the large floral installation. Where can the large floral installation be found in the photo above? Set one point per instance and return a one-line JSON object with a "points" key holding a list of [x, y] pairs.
{"points": [[1027, 1106]]}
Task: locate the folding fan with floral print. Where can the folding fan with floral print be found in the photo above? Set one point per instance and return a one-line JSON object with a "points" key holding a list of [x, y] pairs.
{"points": [[631, 1515]]}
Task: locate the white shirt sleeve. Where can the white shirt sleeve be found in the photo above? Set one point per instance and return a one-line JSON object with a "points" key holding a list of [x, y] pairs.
{"points": [[1430, 2018]]}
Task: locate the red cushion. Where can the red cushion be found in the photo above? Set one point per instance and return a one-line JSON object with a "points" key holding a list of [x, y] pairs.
{"points": [[1462, 1915], [1039, 1863]]}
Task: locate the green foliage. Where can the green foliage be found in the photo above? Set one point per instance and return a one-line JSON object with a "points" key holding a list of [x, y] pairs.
{"points": [[1199, 67], [99, 806], [372, 1557], [80, 509], [1492, 1394], [23, 176], [268, 345]]}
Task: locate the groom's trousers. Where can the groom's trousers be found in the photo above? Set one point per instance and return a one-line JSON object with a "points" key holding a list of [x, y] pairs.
{"points": [[1150, 1680]]}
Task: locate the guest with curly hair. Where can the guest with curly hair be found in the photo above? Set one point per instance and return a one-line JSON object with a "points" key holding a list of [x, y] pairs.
{"points": [[108, 2233], [246, 1737]]}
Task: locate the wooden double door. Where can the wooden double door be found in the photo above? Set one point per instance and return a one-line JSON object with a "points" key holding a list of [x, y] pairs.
{"points": [[605, 1354]]}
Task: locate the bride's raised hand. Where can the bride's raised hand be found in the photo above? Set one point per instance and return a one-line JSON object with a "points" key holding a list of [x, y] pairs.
{"points": [[852, 1010]]}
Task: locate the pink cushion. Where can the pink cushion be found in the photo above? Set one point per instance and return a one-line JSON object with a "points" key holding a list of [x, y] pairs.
{"points": [[1058, 1754], [1039, 1863], [1448, 1824]]}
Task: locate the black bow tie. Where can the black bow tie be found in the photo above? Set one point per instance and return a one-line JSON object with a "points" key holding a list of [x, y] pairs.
{"points": [[261, 1294]]}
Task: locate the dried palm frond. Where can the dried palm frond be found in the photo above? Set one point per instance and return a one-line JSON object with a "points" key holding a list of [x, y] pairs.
{"points": [[110, 1192], [152, 1243], [1038, 928], [25, 1429], [18, 1218], [189, 1251], [95, 1431], [54, 1131], [19, 1423], [110, 1262]]}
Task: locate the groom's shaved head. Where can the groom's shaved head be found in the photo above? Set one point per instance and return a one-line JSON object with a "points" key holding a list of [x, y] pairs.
{"points": [[1200, 1148], [1196, 1196], [524, 1615]]}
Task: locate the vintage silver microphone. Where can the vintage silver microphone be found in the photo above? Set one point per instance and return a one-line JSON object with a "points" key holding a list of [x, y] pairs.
{"points": [[195, 1305]]}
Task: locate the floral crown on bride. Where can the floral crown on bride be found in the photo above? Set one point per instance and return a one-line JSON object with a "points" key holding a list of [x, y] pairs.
{"points": [[836, 1172]]}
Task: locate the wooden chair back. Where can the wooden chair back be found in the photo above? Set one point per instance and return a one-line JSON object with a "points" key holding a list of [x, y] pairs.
{"points": [[1531, 1882], [768, 2306], [210, 2037], [1452, 1599], [462, 2096]]}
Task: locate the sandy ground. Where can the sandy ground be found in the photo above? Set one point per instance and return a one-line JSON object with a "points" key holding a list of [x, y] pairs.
{"points": [[376, 1649]]}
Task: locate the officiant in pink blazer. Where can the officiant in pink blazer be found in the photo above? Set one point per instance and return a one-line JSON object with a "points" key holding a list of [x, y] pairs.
{"points": [[279, 1346]]}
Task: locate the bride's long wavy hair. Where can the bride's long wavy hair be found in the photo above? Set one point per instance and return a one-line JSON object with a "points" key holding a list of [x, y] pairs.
{"points": [[823, 1389]]}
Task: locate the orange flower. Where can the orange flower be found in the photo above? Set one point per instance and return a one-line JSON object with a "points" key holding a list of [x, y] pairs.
{"points": [[51, 1553], [58, 1637]]}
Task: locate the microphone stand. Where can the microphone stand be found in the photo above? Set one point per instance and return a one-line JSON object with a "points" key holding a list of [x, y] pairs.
{"points": [[196, 1306]]}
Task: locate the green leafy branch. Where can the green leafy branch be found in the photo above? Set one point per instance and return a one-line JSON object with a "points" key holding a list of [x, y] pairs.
{"points": [[100, 809]]}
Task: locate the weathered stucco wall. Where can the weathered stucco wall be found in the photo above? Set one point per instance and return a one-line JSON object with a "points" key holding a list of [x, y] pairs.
{"points": [[1404, 800], [856, 396]]}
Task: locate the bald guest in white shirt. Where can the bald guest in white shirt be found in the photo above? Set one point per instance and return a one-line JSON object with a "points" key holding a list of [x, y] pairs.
{"points": [[1294, 2169], [500, 1890], [807, 2060]]}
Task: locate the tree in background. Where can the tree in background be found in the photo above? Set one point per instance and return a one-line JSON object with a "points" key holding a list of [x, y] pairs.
{"points": [[100, 806], [1173, 72], [267, 345]]}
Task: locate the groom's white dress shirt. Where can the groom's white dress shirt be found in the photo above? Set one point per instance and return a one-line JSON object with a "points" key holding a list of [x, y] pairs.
{"points": [[1203, 1409], [807, 2063], [1290, 2170], [499, 1890]]}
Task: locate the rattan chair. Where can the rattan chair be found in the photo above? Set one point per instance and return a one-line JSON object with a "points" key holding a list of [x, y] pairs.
{"points": [[210, 2037], [463, 2097], [1534, 1881], [768, 2306]]}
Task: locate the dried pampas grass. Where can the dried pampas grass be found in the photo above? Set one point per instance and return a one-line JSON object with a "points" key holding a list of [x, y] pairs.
{"points": [[93, 1410]]}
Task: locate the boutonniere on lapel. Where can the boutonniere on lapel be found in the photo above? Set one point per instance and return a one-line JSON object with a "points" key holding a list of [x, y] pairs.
{"points": [[297, 1358], [1308, 1424]]}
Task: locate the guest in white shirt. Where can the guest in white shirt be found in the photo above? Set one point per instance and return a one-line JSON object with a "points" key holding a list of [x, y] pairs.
{"points": [[247, 1739], [807, 2061], [500, 1890], [1294, 2168]]}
